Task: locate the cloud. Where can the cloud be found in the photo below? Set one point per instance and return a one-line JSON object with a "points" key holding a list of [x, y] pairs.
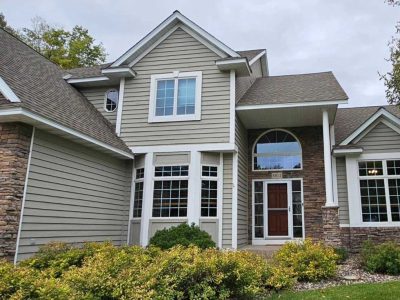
{"points": [[348, 37]]}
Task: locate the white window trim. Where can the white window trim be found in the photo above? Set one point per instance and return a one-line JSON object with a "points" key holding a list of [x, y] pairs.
{"points": [[274, 170], [174, 117], [168, 178], [105, 100], [210, 178], [353, 189], [137, 180]]}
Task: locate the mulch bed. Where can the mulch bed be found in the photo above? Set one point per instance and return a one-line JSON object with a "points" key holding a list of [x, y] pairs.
{"points": [[349, 272]]}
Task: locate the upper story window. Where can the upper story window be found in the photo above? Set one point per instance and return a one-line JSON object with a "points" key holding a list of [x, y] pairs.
{"points": [[111, 100], [277, 150], [175, 97]]}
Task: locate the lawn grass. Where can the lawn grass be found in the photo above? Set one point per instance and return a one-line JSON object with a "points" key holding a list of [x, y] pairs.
{"points": [[366, 291]]}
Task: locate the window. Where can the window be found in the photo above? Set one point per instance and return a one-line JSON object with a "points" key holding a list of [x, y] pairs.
{"points": [[138, 200], [297, 205], [170, 196], [277, 150], [111, 100], [209, 191], [380, 190], [175, 97]]}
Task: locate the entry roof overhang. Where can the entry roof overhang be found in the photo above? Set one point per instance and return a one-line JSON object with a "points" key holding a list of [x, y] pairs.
{"points": [[287, 114]]}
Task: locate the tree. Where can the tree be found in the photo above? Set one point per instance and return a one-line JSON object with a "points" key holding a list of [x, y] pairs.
{"points": [[68, 49], [392, 78], [5, 26]]}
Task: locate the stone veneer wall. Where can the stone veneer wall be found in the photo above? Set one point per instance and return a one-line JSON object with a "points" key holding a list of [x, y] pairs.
{"points": [[14, 152], [313, 175], [354, 237]]}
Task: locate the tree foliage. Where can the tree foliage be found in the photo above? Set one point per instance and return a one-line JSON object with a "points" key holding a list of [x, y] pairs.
{"points": [[392, 78], [68, 49]]}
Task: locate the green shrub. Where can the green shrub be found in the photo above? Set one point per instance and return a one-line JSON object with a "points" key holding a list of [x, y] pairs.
{"points": [[342, 254], [308, 261], [382, 258], [183, 235]]}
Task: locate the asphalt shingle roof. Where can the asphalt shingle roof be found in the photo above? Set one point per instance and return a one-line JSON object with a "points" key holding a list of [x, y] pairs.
{"points": [[40, 86], [86, 72], [293, 89], [349, 119], [250, 54]]}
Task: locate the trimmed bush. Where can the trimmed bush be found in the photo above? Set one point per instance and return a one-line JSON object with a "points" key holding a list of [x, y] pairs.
{"points": [[308, 261], [104, 271], [382, 258], [342, 254], [183, 235]]}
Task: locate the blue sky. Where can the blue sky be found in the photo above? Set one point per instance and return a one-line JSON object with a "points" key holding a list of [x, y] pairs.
{"points": [[347, 37]]}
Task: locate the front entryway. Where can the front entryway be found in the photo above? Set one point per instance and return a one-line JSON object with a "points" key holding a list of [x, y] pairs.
{"points": [[277, 211]]}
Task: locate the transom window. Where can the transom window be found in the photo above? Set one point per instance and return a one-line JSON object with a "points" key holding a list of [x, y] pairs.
{"points": [[277, 150], [138, 200], [209, 191], [111, 100], [170, 195], [380, 190], [175, 97]]}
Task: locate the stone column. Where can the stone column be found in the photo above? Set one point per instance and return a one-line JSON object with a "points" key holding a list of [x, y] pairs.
{"points": [[14, 152], [330, 224]]}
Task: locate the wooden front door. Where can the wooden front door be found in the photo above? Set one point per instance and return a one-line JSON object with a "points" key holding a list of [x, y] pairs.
{"points": [[277, 209]]}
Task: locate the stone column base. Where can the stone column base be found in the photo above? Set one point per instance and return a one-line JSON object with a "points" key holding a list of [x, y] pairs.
{"points": [[331, 228]]}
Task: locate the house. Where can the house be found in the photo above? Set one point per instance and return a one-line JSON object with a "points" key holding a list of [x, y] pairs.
{"points": [[182, 128]]}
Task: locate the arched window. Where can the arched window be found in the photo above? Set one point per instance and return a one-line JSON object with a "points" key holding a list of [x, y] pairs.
{"points": [[111, 100], [277, 150]]}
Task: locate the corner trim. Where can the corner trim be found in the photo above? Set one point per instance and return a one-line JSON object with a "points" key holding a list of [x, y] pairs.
{"points": [[24, 196], [234, 199], [120, 106], [232, 99], [40, 119]]}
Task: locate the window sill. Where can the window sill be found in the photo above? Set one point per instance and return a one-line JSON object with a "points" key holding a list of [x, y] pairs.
{"points": [[377, 224], [154, 119]]}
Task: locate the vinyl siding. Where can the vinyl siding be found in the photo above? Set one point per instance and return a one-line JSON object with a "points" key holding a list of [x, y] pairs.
{"points": [[241, 143], [179, 52], [380, 139], [74, 194], [342, 190], [96, 96], [227, 202]]}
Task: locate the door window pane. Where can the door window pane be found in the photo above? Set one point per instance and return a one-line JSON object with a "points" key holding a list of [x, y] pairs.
{"points": [[259, 209], [297, 207]]}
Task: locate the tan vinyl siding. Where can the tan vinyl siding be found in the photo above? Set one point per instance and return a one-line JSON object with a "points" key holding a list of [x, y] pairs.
{"points": [[179, 52], [96, 96], [380, 139], [242, 194], [74, 194], [342, 190], [227, 202]]}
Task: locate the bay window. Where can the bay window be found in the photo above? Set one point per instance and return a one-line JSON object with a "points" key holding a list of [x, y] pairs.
{"points": [[170, 194]]}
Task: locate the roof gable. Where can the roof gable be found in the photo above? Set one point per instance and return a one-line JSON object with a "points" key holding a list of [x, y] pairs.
{"points": [[381, 115], [163, 30]]}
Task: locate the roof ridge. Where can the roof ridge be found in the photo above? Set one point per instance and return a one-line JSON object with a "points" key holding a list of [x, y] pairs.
{"points": [[299, 74]]}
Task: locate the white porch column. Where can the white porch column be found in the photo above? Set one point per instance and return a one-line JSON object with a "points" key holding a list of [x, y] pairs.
{"points": [[327, 159], [194, 205], [147, 199]]}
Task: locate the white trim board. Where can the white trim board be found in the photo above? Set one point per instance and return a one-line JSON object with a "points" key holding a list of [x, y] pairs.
{"points": [[8, 92], [257, 57], [120, 106], [20, 112], [235, 167], [232, 112], [380, 113], [290, 105], [24, 197], [174, 18], [215, 147], [88, 79]]}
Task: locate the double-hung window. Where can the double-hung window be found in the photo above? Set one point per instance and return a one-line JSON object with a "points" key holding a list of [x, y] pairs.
{"points": [[138, 200], [175, 97], [209, 191], [380, 190], [170, 195]]}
